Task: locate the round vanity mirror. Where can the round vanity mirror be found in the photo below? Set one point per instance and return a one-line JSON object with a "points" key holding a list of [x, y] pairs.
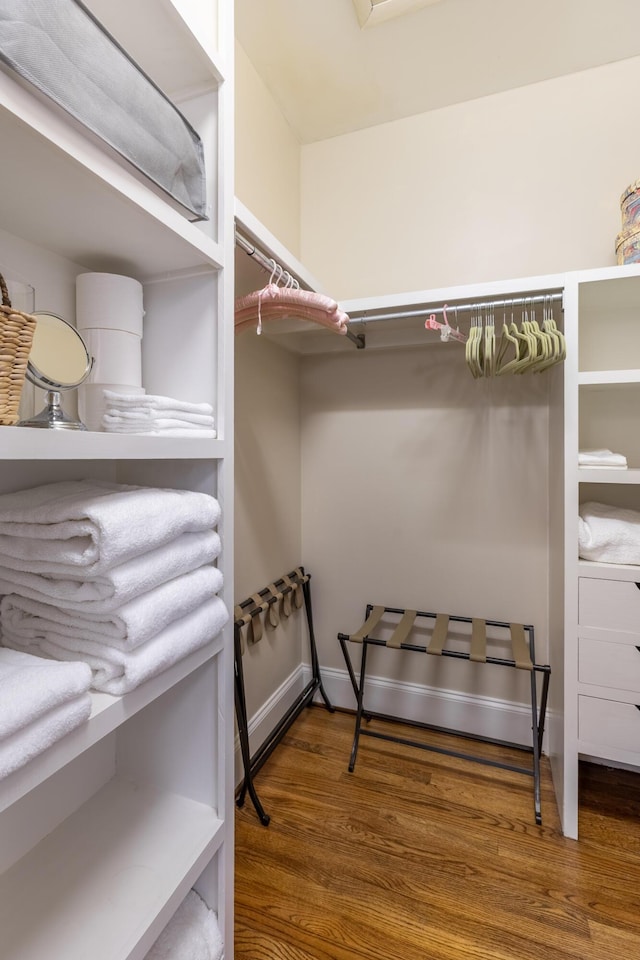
{"points": [[59, 360]]}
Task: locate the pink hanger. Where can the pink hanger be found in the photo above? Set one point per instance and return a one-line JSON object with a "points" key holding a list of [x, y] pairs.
{"points": [[446, 330]]}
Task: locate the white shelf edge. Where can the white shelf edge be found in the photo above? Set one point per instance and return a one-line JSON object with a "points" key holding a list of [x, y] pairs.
{"points": [[604, 475], [609, 571], [607, 377], [588, 749], [107, 714], [488, 290], [26, 443], [108, 879], [270, 245]]}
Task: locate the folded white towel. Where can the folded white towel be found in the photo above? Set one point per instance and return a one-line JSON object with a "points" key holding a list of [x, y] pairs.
{"points": [[191, 934], [93, 596], [601, 458], [160, 428], [126, 628], [30, 687], [149, 401], [89, 526], [119, 671], [164, 418], [608, 534], [25, 744]]}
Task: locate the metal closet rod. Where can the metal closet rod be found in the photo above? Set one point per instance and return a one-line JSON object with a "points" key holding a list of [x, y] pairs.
{"points": [[454, 308], [267, 263]]}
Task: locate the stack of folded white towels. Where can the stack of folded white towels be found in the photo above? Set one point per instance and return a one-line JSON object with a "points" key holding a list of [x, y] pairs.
{"points": [[159, 416], [602, 458], [40, 702], [117, 576]]}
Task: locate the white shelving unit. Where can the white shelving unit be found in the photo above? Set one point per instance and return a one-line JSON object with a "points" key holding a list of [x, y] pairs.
{"points": [[602, 614], [103, 835]]}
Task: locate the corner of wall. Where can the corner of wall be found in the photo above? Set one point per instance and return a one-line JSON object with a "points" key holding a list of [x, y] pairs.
{"points": [[267, 157]]}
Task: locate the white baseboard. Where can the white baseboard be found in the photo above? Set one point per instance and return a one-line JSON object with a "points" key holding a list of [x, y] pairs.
{"points": [[271, 712], [484, 716]]}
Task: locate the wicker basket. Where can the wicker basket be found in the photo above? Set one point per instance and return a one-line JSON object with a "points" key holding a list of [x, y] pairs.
{"points": [[16, 337]]}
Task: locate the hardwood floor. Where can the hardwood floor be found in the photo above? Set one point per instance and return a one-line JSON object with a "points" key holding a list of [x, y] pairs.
{"points": [[420, 856]]}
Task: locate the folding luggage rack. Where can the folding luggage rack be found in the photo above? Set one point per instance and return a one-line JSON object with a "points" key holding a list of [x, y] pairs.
{"points": [[523, 658], [289, 593]]}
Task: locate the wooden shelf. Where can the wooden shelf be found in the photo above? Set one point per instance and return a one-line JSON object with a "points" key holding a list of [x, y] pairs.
{"points": [[105, 882]]}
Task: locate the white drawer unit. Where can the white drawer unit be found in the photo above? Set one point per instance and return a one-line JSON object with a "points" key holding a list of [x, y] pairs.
{"points": [[612, 605], [611, 665], [609, 728]]}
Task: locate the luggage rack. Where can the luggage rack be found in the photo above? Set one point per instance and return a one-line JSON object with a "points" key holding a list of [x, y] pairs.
{"points": [[290, 592], [523, 658]]}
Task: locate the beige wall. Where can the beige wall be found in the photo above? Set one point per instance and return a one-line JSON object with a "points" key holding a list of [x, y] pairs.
{"points": [[521, 183], [267, 505], [267, 157], [267, 431], [424, 489]]}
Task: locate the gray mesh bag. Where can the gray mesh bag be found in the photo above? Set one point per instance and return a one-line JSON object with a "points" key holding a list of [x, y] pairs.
{"points": [[60, 48]]}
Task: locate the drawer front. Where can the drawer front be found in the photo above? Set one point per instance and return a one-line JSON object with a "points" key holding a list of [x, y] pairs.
{"points": [[609, 664], [609, 724], [609, 604]]}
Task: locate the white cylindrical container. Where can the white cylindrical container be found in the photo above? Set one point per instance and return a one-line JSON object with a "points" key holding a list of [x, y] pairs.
{"points": [[107, 301], [117, 356], [109, 315]]}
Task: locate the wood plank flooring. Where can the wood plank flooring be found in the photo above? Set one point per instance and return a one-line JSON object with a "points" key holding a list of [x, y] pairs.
{"points": [[420, 856]]}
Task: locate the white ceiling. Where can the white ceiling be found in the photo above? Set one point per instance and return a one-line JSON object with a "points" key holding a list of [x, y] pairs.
{"points": [[330, 77]]}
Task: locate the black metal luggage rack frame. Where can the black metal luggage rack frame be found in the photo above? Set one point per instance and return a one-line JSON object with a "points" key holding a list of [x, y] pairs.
{"points": [[291, 590], [523, 650]]}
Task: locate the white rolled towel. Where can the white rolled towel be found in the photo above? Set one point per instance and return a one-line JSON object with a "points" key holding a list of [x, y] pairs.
{"points": [[191, 934], [94, 596], [30, 687], [90, 526], [126, 628], [119, 671], [608, 534], [27, 743]]}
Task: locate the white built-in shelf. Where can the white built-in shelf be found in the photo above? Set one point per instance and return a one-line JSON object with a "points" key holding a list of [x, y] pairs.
{"points": [[611, 475], [609, 571], [28, 443], [160, 37], [107, 714], [595, 378], [66, 192], [106, 882]]}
